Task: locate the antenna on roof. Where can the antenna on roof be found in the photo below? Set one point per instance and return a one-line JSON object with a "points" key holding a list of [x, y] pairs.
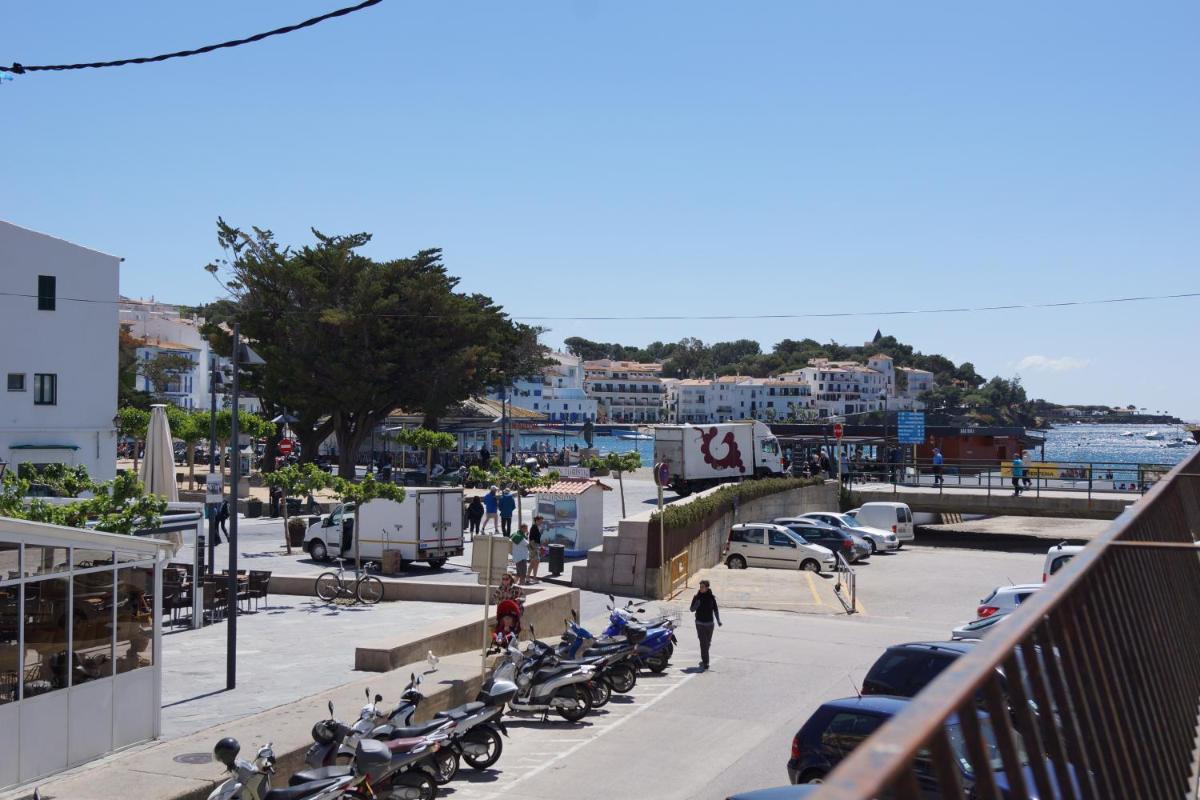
{"points": [[854, 686]]}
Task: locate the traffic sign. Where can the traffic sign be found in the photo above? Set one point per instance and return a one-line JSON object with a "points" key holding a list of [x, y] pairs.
{"points": [[837, 430], [284, 447], [910, 425], [212, 486], [662, 473]]}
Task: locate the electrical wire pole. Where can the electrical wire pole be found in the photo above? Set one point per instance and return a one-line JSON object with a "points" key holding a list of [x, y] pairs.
{"points": [[235, 474]]}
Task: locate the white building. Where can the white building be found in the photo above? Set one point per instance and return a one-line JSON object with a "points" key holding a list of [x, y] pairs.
{"points": [[58, 345], [735, 397], [841, 388], [558, 392], [918, 381], [161, 329], [625, 391]]}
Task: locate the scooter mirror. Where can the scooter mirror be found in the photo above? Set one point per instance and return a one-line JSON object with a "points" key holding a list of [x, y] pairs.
{"points": [[574, 615], [367, 692], [532, 632], [331, 709], [378, 698]]}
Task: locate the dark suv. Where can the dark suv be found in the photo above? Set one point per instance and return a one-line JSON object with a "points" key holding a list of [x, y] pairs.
{"points": [[837, 540], [905, 669]]}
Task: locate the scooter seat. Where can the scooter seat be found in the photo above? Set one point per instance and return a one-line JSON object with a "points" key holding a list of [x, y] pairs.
{"points": [[461, 712], [408, 731], [319, 774], [299, 792], [404, 745], [553, 672]]}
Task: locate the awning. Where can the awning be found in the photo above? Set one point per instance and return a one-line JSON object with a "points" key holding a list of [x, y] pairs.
{"points": [[44, 447]]}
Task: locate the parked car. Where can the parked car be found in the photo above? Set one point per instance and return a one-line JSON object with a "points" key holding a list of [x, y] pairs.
{"points": [[905, 669], [1005, 599], [878, 539], [894, 517], [978, 628], [837, 540], [1057, 558], [837, 727], [761, 544]]}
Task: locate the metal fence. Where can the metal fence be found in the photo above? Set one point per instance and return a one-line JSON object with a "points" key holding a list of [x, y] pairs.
{"points": [[846, 587], [1090, 689], [1092, 477]]}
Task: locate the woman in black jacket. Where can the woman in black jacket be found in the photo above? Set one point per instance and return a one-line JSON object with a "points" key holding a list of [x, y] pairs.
{"points": [[704, 605]]}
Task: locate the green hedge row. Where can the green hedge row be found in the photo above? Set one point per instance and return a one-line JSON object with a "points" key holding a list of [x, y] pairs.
{"points": [[679, 516]]}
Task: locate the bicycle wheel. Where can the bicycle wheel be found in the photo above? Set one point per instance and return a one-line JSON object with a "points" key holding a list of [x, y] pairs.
{"points": [[369, 590], [327, 586]]}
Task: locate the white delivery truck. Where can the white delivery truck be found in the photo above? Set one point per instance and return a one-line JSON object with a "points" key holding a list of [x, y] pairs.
{"points": [[427, 526], [700, 456]]}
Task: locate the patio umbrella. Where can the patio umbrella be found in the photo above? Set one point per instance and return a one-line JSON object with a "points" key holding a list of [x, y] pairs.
{"points": [[158, 466]]}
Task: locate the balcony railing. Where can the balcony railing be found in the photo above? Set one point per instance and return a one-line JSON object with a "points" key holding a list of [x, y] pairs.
{"points": [[1108, 659]]}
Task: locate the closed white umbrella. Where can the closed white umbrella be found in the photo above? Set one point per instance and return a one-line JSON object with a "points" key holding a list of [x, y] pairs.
{"points": [[158, 466]]}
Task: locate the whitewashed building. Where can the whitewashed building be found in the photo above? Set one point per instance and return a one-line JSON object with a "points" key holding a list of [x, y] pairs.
{"points": [[625, 391], [58, 348], [162, 329], [558, 392]]}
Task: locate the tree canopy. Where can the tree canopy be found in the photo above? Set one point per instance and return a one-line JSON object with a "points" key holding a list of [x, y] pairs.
{"points": [[348, 339]]}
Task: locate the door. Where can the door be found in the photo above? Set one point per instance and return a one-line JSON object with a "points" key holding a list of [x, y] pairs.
{"points": [[846, 731], [333, 534], [749, 543], [782, 550], [432, 523]]}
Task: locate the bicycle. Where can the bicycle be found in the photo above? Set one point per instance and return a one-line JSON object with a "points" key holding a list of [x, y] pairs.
{"points": [[365, 589]]}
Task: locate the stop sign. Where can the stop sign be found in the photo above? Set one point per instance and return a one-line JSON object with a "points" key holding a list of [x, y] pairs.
{"points": [[284, 447], [837, 430]]}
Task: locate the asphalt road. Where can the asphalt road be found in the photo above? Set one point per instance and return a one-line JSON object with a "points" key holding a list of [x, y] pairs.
{"points": [[706, 735]]}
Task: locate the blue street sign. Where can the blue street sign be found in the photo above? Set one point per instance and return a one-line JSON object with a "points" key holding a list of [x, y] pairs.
{"points": [[911, 426]]}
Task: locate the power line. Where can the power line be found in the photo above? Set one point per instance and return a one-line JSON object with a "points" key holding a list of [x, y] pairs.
{"points": [[685, 317], [21, 69]]}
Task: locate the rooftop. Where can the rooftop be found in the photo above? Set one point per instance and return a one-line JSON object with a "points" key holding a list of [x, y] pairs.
{"points": [[573, 486]]}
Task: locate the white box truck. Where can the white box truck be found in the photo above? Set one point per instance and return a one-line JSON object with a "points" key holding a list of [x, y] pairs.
{"points": [[700, 456], [427, 526]]}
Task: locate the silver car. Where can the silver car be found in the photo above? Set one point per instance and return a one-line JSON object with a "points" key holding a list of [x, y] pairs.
{"points": [[978, 628], [877, 539]]}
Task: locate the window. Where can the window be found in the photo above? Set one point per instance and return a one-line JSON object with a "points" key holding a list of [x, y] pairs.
{"points": [[780, 539], [45, 389], [746, 536], [845, 731], [46, 292], [16, 381]]}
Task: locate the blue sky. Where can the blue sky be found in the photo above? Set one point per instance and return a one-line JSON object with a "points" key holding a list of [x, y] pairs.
{"points": [[587, 157]]}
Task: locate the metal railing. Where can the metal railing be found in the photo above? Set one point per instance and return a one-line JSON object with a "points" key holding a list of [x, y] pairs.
{"points": [[1106, 702], [1090, 477], [846, 587]]}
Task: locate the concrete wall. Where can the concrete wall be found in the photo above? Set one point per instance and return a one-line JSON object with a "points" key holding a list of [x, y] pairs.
{"points": [[76, 341], [999, 503], [619, 564]]}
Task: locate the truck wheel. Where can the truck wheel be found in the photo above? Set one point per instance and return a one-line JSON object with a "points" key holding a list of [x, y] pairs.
{"points": [[735, 562], [318, 551], [436, 563]]}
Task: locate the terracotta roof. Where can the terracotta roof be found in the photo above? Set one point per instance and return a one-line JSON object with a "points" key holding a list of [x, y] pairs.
{"points": [[573, 486]]}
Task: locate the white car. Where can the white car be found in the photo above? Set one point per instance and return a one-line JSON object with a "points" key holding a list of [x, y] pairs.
{"points": [[1057, 558], [879, 540], [763, 544], [894, 517], [1005, 599], [978, 628]]}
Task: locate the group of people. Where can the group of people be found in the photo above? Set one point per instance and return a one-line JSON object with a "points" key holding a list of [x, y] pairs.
{"points": [[497, 507]]}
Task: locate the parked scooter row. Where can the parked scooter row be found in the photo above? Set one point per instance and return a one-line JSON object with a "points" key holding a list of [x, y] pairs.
{"points": [[384, 756]]}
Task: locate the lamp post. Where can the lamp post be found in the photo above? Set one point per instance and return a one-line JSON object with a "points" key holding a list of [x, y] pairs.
{"points": [[213, 381]]}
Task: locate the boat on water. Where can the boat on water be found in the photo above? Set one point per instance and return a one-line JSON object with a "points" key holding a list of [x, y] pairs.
{"points": [[1154, 436], [1127, 433], [638, 437]]}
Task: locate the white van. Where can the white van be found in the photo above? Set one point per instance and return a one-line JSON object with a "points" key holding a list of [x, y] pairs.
{"points": [[1057, 558], [427, 526], [894, 517], [761, 544]]}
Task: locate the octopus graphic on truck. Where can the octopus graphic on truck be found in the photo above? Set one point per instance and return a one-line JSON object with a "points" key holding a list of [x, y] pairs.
{"points": [[700, 456]]}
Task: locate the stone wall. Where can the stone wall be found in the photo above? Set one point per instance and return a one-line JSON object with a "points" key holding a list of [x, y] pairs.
{"points": [[619, 564]]}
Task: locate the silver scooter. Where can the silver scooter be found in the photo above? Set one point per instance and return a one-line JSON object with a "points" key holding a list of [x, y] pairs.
{"points": [[543, 685]]}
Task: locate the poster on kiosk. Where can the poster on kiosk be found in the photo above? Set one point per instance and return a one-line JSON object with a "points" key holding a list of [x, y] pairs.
{"points": [[572, 511]]}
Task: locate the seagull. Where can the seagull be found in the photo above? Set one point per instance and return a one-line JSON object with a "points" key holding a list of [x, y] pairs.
{"points": [[433, 661]]}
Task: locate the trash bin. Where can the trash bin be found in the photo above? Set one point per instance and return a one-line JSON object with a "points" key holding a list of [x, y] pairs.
{"points": [[557, 553], [254, 507]]}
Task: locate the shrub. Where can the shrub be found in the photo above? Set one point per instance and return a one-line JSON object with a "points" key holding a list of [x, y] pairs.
{"points": [[680, 516]]}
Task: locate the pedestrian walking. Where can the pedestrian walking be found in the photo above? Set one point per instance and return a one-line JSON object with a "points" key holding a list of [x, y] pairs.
{"points": [[222, 518], [1018, 471], [506, 505], [1027, 479], [704, 606], [823, 460], [535, 547], [485, 457], [938, 480], [490, 503], [475, 514], [520, 552]]}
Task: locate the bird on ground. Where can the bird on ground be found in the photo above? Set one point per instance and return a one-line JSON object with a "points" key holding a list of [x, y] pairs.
{"points": [[433, 661]]}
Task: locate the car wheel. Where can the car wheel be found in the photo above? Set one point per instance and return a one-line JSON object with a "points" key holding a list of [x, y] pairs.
{"points": [[810, 565], [813, 776], [318, 551], [735, 562], [871, 542]]}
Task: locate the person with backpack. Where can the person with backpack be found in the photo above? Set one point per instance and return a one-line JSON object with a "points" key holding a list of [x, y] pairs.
{"points": [[489, 510], [704, 606], [506, 505]]}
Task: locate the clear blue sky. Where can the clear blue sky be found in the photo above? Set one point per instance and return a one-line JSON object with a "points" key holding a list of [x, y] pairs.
{"points": [[588, 157]]}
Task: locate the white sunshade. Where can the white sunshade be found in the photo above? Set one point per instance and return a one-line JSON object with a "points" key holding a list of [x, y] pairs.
{"points": [[158, 466]]}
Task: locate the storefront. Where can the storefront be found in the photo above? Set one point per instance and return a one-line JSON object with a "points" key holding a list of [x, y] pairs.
{"points": [[80, 672]]}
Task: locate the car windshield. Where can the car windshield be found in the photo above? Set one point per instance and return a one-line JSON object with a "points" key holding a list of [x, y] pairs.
{"points": [[958, 743], [796, 537]]}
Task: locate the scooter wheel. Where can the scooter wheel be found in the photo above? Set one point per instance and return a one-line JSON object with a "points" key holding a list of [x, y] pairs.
{"points": [[495, 746], [446, 766], [601, 694], [583, 704], [622, 678], [656, 662], [411, 786]]}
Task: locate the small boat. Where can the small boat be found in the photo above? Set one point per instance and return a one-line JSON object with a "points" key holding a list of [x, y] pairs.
{"points": [[639, 437], [1127, 433], [1154, 436]]}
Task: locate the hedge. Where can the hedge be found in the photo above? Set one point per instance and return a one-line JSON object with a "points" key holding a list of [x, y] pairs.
{"points": [[684, 515]]}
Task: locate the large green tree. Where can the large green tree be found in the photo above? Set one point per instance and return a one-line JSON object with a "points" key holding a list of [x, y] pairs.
{"points": [[347, 339]]}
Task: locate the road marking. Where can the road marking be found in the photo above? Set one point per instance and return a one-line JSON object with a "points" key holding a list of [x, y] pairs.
{"points": [[813, 586], [862, 609]]}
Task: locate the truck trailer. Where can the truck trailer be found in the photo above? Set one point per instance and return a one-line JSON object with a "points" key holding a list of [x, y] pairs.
{"points": [[700, 456]]}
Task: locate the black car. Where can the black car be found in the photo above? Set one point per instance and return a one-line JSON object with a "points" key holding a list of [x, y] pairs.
{"points": [[905, 669], [836, 540]]}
